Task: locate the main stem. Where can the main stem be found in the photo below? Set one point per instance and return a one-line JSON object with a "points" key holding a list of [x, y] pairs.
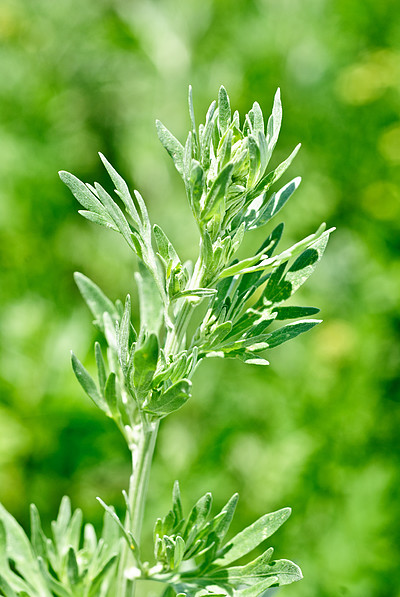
{"points": [[141, 464], [143, 454]]}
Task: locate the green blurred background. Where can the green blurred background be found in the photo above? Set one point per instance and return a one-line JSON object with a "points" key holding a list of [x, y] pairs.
{"points": [[319, 429]]}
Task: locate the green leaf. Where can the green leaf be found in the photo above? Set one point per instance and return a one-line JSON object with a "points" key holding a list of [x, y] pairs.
{"points": [[100, 576], [6, 589], [72, 567], [280, 287], [123, 334], [145, 363], [95, 299], [87, 383], [122, 190], [110, 394], [171, 400], [54, 585], [38, 538], [20, 551], [151, 307], [224, 109], [101, 367], [291, 330], [252, 536], [199, 514], [177, 502], [165, 247], [274, 122], [81, 192], [215, 200], [258, 213], [126, 534], [171, 144], [293, 312]]}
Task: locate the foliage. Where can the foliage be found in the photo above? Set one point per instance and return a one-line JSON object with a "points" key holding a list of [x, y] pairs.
{"points": [[147, 373]]}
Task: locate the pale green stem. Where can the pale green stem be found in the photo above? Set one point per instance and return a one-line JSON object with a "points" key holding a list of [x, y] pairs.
{"points": [[141, 463]]}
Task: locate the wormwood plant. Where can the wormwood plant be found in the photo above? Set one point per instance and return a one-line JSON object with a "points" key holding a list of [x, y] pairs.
{"points": [[145, 375]]}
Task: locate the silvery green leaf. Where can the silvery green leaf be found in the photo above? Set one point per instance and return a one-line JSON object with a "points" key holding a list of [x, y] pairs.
{"points": [[115, 213], [20, 551], [151, 307], [280, 287], [110, 394], [199, 514], [196, 186], [38, 538], [72, 567], [53, 585], [294, 312], [291, 330], [274, 122], [252, 536], [196, 293], [269, 179], [205, 138], [259, 588], [126, 534], [215, 199], [122, 190], [6, 589], [99, 219], [87, 383], [74, 529], [123, 334], [145, 363], [284, 570], [177, 502], [221, 523], [165, 247], [101, 367], [254, 160], [81, 192], [95, 299], [224, 109], [179, 551], [100, 576], [171, 400], [259, 213], [171, 144], [258, 119], [225, 153], [192, 118]]}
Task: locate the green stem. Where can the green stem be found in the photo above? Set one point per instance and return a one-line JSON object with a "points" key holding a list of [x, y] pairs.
{"points": [[141, 464]]}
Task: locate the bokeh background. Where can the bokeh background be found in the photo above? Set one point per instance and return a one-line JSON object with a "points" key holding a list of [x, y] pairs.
{"points": [[319, 429]]}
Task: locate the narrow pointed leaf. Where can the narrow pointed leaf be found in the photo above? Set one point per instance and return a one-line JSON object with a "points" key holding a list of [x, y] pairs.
{"points": [[171, 144]]}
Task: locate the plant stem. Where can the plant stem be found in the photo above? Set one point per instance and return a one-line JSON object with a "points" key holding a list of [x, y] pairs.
{"points": [[141, 464]]}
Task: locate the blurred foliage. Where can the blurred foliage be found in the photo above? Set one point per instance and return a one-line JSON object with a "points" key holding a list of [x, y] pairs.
{"points": [[323, 419]]}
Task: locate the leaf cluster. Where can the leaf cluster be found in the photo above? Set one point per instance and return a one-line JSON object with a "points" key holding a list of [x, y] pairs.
{"points": [[73, 562], [194, 559]]}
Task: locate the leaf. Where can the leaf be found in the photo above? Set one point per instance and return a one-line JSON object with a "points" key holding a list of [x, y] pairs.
{"points": [[198, 514], [215, 199], [98, 579], [171, 400], [293, 312], [291, 330], [196, 293], [87, 383], [72, 567], [81, 192], [252, 536], [171, 144], [126, 534], [280, 287], [258, 213], [38, 538], [222, 522], [110, 394], [274, 122], [177, 502], [165, 247], [95, 299], [123, 334], [54, 585], [224, 109], [122, 190], [20, 550], [151, 307], [145, 363], [102, 220], [101, 367]]}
